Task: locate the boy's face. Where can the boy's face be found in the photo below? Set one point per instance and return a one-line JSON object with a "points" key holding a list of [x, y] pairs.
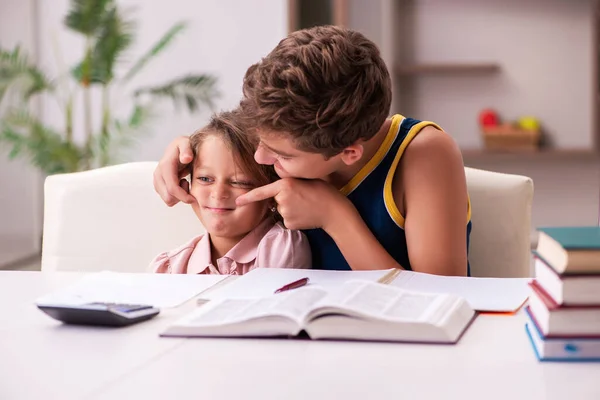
{"points": [[289, 162], [216, 183]]}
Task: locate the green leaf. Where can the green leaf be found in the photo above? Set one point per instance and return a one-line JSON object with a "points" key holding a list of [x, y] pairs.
{"points": [[13, 139], [113, 37], [91, 76], [17, 71], [45, 148], [86, 16], [161, 45], [191, 91]]}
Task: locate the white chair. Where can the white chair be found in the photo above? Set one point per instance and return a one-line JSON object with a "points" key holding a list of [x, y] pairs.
{"points": [[501, 215], [110, 219]]}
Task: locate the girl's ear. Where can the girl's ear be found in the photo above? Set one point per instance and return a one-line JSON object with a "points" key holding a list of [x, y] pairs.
{"points": [[272, 211]]}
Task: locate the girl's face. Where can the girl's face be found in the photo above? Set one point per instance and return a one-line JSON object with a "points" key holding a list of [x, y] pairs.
{"points": [[216, 183]]}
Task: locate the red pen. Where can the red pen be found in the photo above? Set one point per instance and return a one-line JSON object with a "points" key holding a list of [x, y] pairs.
{"points": [[293, 285]]}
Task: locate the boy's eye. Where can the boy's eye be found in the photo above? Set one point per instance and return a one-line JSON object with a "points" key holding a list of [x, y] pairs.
{"points": [[284, 158], [204, 179]]}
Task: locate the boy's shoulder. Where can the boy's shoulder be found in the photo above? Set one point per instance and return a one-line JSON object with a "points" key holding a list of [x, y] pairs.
{"points": [[434, 145]]}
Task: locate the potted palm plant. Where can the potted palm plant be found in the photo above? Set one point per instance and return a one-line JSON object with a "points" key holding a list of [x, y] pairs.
{"points": [[108, 34]]}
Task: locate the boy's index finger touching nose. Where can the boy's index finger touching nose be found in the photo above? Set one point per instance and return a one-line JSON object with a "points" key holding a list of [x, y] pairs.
{"points": [[259, 194]]}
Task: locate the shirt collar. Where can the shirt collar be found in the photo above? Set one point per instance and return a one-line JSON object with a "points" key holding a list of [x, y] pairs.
{"points": [[200, 258], [245, 250], [242, 253]]}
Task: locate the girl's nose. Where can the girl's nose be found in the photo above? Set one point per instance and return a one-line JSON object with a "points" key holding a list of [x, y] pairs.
{"points": [[220, 191]]}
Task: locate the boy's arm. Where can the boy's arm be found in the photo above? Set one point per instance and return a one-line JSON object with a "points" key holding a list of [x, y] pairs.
{"points": [[173, 166], [436, 204], [433, 190], [431, 183], [306, 204]]}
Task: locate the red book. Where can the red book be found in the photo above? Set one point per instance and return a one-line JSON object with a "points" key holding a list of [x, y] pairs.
{"points": [[572, 290], [563, 321]]}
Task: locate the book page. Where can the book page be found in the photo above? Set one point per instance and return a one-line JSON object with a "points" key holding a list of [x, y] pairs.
{"points": [[262, 282], [158, 290], [482, 294], [384, 302], [294, 304]]}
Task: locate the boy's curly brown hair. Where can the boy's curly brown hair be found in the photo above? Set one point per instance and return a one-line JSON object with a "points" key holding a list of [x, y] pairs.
{"points": [[327, 87]]}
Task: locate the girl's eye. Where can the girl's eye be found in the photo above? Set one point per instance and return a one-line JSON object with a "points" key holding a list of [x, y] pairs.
{"points": [[204, 179], [284, 158], [242, 184]]}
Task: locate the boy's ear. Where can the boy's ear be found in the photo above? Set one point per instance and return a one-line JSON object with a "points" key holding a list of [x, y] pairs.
{"points": [[352, 154]]}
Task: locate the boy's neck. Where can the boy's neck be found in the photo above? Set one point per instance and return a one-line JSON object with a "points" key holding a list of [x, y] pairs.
{"points": [[341, 177], [219, 246]]}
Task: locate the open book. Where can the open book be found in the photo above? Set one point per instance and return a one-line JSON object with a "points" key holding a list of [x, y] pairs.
{"points": [[357, 310], [482, 294]]}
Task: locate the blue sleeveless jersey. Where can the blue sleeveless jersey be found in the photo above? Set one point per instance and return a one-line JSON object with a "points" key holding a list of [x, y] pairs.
{"points": [[370, 190]]}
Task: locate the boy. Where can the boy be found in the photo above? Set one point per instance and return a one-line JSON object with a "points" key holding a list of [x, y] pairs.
{"points": [[371, 192]]}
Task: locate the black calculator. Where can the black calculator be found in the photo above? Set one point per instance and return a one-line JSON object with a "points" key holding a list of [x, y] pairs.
{"points": [[103, 314]]}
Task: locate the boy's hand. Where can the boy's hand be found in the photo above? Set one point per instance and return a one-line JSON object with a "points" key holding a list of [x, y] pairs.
{"points": [[173, 166], [303, 204]]}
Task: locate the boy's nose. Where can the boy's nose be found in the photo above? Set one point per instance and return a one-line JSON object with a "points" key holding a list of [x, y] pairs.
{"points": [[263, 156]]}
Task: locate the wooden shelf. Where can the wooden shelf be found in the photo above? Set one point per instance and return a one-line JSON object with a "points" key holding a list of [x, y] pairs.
{"points": [[446, 68], [544, 154]]}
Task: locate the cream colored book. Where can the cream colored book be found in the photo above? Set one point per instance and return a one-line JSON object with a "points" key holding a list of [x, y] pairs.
{"points": [[356, 310]]}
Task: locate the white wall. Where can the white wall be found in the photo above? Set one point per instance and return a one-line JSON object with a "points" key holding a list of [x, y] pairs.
{"points": [[545, 52], [544, 48], [566, 191], [224, 37], [20, 185]]}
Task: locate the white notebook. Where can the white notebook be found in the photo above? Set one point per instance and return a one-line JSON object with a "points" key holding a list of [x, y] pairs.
{"points": [[483, 294], [158, 290], [262, 282], [355, 310]]}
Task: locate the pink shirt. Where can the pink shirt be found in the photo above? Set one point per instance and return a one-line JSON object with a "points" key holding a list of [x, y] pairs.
{"points": [[269, 245]]}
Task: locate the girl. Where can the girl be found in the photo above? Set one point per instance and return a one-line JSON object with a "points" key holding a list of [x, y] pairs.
{"points": [[237, 239]]}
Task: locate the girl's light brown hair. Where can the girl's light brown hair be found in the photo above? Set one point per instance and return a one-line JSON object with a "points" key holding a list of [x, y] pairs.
{"points": [[229, 126]]}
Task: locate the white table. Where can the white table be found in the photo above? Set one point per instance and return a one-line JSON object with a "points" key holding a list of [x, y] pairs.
{"points": [[41, 359]]}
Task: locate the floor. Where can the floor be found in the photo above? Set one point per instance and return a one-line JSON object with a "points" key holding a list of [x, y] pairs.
{"points": [[29, 264], [14, 248]]}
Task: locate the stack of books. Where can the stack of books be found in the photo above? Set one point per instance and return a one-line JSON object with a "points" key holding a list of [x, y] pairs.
{"points": [[564, 304]]}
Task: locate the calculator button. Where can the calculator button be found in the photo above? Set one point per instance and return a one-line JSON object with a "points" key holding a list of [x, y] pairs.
{"points": [[132, 308], [122, 307]]}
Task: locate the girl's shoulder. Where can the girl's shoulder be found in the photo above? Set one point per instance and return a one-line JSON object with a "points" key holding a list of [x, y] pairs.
{"points": [[173, 260], [284, 248], [278, 230]]}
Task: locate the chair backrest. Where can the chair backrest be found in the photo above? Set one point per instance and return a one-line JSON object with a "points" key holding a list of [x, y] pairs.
{"points": [[110, 219], [501, 214]]}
